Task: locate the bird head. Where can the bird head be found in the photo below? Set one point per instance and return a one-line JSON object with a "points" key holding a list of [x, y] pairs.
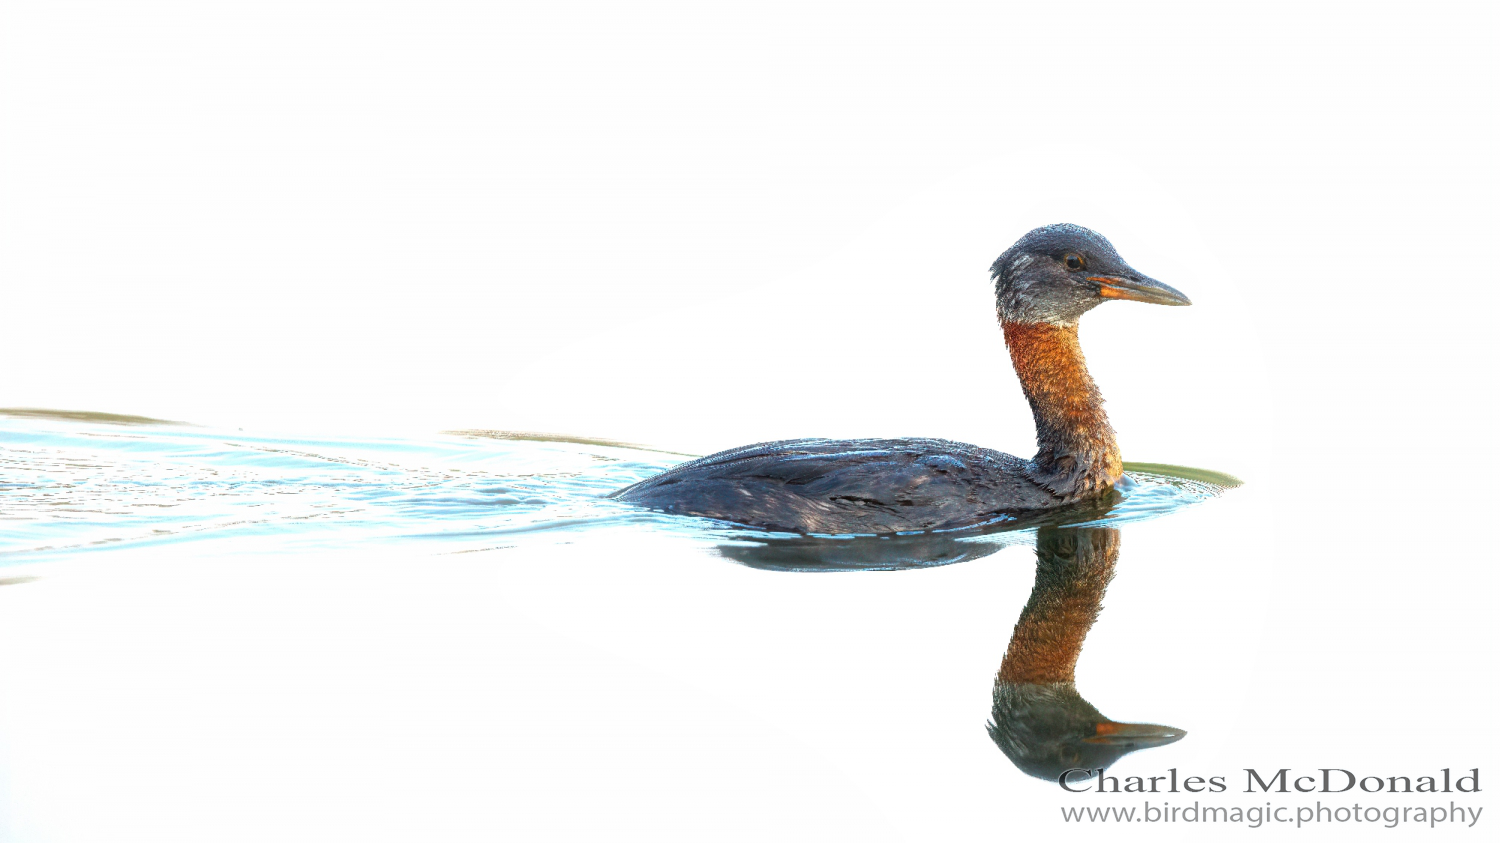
{"points": [[1057, 273]]}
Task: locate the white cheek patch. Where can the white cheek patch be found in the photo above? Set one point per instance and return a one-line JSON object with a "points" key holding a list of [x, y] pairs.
{"points": [[1018, 279]]}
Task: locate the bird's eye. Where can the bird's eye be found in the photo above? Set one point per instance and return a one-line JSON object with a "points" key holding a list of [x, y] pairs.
{"points": [[1073, 262]]}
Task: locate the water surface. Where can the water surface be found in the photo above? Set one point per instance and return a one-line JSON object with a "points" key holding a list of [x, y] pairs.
{"points": [[84, 482], [476, 599]]}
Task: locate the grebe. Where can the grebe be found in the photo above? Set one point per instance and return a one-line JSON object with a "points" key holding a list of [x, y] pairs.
{"points": [[1043, 284], [1040, 722]]}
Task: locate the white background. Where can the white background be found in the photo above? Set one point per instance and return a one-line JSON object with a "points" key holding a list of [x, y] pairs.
{"points": [[697, 226]]}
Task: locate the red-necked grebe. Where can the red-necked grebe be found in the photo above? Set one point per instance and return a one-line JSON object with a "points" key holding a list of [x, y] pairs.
{"points": [[1043, 284]]}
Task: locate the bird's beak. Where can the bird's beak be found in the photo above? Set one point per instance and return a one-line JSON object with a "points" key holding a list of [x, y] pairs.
{"points": [[1133, 735], [1138, 288]]}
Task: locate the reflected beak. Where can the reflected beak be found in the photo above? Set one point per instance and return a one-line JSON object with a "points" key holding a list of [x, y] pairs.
{"points": [[1138, 288], [1134, 735]]}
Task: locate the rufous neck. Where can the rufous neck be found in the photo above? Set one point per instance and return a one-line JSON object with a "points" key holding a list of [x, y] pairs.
{"points": [[1076, 452], [1073, 568]]}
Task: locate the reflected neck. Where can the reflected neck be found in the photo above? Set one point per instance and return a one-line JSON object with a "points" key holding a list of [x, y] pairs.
{"points": [[1076, 452], [1073, 567]]}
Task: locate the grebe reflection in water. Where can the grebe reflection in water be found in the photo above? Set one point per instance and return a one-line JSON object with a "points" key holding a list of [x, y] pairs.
{"points": [[1040, 721], [1043, 284]]}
